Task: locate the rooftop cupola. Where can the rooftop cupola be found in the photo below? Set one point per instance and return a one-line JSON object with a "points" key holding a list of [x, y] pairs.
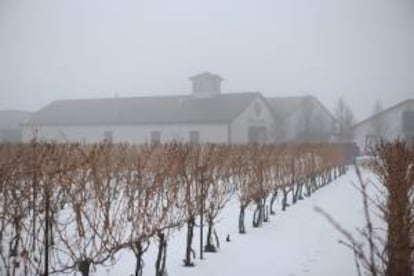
{"points": [[206, 85]]}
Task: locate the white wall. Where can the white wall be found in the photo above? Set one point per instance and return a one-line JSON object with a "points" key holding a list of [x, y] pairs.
{"points": [[391, 121], [216, 133], [240, 125]]}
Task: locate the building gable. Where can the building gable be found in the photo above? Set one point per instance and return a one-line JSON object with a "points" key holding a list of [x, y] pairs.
{"points": [[255, 123], [303, 119]]}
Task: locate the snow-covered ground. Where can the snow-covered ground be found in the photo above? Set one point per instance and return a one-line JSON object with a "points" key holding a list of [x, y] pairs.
{"points": [[296, 242]]}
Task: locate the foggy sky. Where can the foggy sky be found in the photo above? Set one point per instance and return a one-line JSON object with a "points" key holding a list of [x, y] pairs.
{"points": [[362, 50]]}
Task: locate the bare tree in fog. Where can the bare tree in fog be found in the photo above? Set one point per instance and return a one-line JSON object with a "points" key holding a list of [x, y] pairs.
{"points": [[345, 119], [378, 122]]}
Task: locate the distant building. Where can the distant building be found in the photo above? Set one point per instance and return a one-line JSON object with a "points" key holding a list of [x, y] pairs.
{"points": [[205, 116], [10, 125], [396, 122], [303, 120]]}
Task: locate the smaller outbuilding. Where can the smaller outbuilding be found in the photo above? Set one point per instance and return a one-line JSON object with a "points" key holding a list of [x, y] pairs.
{"points": [[396, 122], [302, 119], [10, 125]]}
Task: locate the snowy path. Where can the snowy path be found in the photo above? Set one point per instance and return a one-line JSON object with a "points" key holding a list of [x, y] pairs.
{"points": [[296, 242]]}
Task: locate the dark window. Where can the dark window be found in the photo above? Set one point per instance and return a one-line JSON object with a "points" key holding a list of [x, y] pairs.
{"points": [[408, 121], [108, 136], [155, 137], [194, 137], [408, 125], [257, 134]]}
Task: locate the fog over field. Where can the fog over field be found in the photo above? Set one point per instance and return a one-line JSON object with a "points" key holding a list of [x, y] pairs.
{"points": [[362, 50]]}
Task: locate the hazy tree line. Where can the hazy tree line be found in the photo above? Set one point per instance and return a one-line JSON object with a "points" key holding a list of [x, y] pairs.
{"points": [[72, 207]]}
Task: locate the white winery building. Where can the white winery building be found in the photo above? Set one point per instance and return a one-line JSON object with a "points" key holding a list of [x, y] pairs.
{"points": [[205, 116]]}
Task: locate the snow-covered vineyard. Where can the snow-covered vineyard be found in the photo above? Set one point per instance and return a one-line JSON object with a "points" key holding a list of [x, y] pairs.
{"points": [[136, 210]]}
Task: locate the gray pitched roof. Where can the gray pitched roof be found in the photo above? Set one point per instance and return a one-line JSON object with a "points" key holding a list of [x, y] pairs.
{"points": [[144, 110], [12, 119], [285, 106], [408, 101]]}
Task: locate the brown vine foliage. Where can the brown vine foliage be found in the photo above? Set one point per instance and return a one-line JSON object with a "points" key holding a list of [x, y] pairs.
{"points": [[99, 199]]}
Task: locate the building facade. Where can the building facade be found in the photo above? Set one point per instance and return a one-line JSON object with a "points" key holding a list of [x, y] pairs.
{"points": [[393, 123], [205, 116], [303, 120]]}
